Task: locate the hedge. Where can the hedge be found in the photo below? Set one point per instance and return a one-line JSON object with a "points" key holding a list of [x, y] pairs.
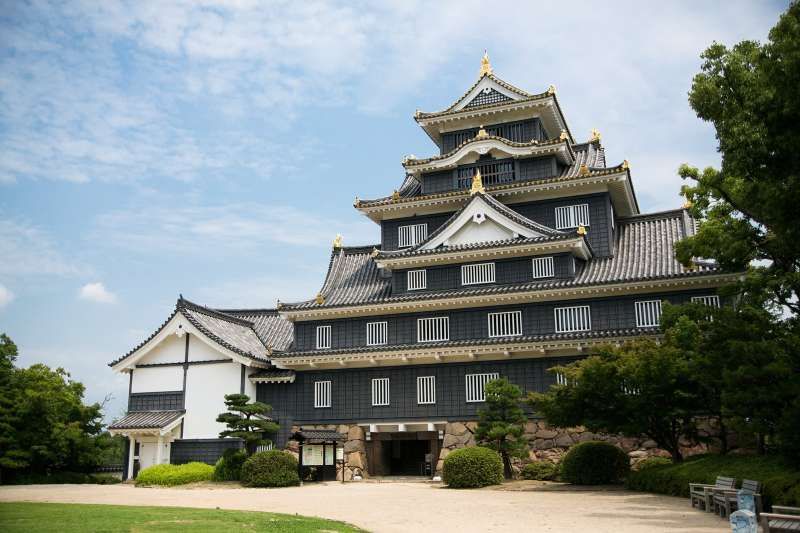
{"points": [[780, 482], [594, 463], [61, 478], [229, 466], [169, 475], [540, 471], [472, 467], [273, 468]]}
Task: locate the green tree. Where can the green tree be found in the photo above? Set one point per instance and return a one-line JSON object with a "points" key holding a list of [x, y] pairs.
{"points": [[640, 388], [501, 423], [247, 420], [747, 209]]}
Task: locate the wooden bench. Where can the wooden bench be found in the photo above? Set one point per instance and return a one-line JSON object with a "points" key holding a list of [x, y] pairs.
{"points": [[781, 519], [701, 494], [724, 502]]}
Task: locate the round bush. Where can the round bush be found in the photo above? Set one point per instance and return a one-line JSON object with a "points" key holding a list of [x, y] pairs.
{"points": [[169, 475], [540, 471], [229, 466], [274, 468], [650, 462], [594, 463], [472, 467]]}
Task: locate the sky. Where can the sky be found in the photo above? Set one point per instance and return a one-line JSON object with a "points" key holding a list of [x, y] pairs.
{"points": [[214, 149]]}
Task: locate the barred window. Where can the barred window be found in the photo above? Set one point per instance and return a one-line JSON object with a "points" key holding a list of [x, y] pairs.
{"points": [[572, 216], [505, 324], [433, 329], [476, 385], [475, 274], [574, 318], [322, 394], [412, 235], [426, 390], [380, 392], [543, 267], [561, 379], [376, 333], [648, 313], [323, 337], [417, 279], [711, 300]]}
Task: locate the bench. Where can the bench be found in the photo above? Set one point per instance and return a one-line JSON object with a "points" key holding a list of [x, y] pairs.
{"points": [[701, 494], [724, 502], [781, 519]]}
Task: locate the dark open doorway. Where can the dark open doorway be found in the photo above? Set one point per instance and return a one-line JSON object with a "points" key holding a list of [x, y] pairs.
{"points": [[405, 457]]}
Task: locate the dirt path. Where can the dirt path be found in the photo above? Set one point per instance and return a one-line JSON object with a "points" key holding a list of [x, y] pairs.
{"points": [[415, 507]]}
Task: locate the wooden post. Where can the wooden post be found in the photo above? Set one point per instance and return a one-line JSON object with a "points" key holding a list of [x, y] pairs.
{"points": [[160, 445], [131, 449]]}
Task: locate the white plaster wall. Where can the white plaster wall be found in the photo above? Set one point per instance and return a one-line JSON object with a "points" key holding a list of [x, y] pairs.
{"points": [[157, 379], [199, 350], [170, 350], [206, 387], [488, 230], [249, 386]]}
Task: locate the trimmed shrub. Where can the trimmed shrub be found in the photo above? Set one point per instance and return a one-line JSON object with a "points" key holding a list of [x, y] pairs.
{"points": [[540, 471], [61, 478], [472, 467], [169, 475], [780, 482], [650, 462], [104, 479], [594, 463], [229, 466], [272, 468]]}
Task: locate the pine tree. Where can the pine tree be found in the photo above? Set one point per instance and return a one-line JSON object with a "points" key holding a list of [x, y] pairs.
{"points": [[501, 423], [247, 421]]}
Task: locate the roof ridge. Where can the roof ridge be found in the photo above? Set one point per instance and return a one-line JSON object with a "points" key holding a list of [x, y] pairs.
{"points": [[667, 213], [257, 310], [183, 303]]}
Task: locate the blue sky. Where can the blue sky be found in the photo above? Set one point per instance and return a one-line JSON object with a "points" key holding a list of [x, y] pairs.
{"points": [[214, 149]]}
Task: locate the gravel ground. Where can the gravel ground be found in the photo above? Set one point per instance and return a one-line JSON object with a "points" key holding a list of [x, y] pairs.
{"points": [[420, 507]]}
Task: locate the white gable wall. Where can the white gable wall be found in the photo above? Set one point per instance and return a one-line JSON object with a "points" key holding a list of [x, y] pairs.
{"points": [[202, 351], [206, 387], [157, 379], [170, 350], [488, 230]]}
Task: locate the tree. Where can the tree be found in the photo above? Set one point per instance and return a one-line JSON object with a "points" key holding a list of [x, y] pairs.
{"points": [[640, 388], [747, 209], [501, 423], [247, 421]]}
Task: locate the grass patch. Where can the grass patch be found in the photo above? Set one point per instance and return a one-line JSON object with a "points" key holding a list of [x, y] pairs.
{"points": [[780, 481], [69, 518]]}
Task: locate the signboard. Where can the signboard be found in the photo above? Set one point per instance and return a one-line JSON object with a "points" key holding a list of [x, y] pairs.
{"points": [[329, 455], [312, 454], [340, 453]]}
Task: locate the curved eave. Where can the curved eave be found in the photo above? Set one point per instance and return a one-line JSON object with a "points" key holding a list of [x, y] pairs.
{"points": [[498, 295], [470, 350], [615, 180], [500, 146], [575, 245]]}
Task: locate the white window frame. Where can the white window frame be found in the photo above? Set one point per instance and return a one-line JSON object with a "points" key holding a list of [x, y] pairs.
{"points": [[648, 313], [477, 273], [426, 390], [381, 396], [572, 216], [475, 385], [433, 329], [711, 300], [324, 334], [322, 394], [509, 324], [543, 267], [417, 280], [377, 333], [411, 235], [574, 317]]}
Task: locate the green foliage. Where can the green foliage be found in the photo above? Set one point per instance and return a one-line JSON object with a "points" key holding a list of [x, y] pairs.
{"points": [[594, 463], [247, 421], [472, 467], [650, 462], [780, 480], [273, 468], [62, 477], [229, 466], [169, 475], [501, 422], [541, 471]]}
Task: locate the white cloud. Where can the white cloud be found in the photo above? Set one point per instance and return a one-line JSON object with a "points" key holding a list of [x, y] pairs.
{"points": [[27, 250], [97, 292], [6, 296]]}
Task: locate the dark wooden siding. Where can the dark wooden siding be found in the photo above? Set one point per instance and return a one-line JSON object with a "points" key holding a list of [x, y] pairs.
{"points": [[521, 131], [155, 401], [537, 318], [202, 450], [389, 228], [517, 270], [537, 168]]}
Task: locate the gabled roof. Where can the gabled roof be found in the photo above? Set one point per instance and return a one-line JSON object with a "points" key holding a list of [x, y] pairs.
{"points": [[274, 375], [146, 420], [643, 248], [273, 330]]}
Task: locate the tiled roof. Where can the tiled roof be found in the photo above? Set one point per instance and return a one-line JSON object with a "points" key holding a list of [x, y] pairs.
{"points": [[277, 375], [146, 420], [318, 435], [273, 330], [644, 250], [548, 337], [525, 96], [513, 144]]}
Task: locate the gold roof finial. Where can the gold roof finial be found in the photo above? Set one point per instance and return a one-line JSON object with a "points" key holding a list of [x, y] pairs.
{"points": [[563, 136], [595, 135], [687, 204], [582, 230], [337, 242], [551, 89], [486, 66], [625, 164], [477, 183], [583, 170], [481, 133], [396, 195], [375, 252], [357, 202], [320, 299]]}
